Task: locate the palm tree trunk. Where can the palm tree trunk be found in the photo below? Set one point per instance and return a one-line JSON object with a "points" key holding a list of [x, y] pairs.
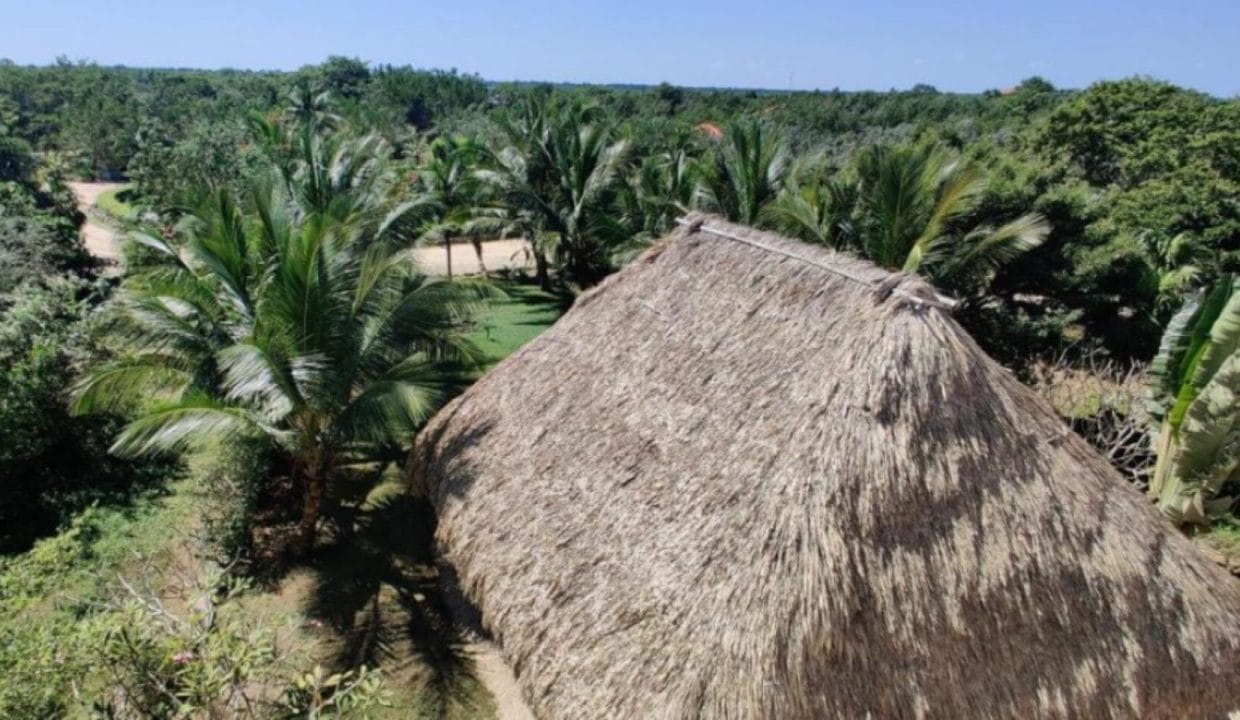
{"points": [[312, 508], [477, 241], [541, 270], [447, 246]]}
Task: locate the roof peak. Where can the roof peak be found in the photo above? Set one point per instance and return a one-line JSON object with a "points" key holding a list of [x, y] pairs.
{"points": [[697, 222]]}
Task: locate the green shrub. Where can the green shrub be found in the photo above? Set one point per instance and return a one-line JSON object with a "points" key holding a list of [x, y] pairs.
{"points": [[166, 637], [235, 479], [51, 463]]}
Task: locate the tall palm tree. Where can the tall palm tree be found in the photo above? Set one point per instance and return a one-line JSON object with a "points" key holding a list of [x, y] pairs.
{"points": [[745, 173], [286, 325], [557, 176], [913, 210], [310, 107], [448, 183]]}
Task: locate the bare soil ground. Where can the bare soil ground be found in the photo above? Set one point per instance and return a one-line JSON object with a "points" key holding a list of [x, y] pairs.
{"points": [[496, 254], [101, 239], [497, 677]]}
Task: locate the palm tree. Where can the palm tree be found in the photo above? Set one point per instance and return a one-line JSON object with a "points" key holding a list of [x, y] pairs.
{"points": [[817, 210], [912, 215], [659, 191], [448, 183], [745, 174], [556, 177], [1178, 262], [310, 107], [287, 325]]}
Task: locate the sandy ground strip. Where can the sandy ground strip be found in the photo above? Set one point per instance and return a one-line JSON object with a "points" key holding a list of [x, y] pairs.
{"points": [[101, 240], [104, 242], [497, 254]]}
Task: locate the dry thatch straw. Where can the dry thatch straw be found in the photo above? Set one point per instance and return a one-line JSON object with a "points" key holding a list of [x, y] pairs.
{"points": [[778, 482]]}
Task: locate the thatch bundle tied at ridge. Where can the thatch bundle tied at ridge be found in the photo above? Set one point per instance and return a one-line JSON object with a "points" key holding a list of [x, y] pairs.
{"points": [[750, 478]]}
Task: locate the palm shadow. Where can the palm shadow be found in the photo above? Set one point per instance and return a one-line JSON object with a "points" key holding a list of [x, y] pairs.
{"points": [[376, 585]]}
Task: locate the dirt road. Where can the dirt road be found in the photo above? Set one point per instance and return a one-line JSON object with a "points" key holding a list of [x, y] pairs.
{"points": [[101, 240]]}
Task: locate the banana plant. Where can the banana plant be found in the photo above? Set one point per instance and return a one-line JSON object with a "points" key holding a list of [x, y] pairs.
{"points": [[1194, 400]]}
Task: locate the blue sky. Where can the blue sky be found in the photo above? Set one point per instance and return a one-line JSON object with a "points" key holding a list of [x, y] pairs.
{"points": [[968, 45]]}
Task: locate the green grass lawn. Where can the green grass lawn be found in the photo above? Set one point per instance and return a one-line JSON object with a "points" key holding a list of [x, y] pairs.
{"points": [[114, 203], [508, 324]]}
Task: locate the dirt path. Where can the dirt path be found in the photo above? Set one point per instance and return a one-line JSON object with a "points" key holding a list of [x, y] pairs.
{"points": [[101, 240], [497, 678], [497, 254]]}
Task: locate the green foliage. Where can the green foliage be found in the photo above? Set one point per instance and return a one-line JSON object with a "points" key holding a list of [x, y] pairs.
{"points": [[51, 464], [1159, 165], [913, 203], [745, 173], [318, 694], [173, 170], [16, 160], [238, 479], [816, 209], [304, 323], [448, 187], [36, 246], [160, 662], [423, 99], [38, 217], [555, 180], [1195, 387], [1127, 132], [910, 208], [166, 638], [39, 673], [1137, 179]]}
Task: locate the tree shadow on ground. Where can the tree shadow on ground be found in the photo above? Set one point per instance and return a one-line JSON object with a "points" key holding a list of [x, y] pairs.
{"points": [[376, 587], [559, 299]]}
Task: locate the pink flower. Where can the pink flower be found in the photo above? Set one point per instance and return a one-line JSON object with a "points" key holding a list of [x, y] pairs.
{"points": [[184, 657]]}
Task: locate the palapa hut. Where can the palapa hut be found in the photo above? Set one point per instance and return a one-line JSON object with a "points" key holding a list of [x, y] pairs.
{"points": [[750, 478]]}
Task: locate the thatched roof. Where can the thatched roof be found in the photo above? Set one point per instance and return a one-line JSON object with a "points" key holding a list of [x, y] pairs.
{"points": [[749, 478]]}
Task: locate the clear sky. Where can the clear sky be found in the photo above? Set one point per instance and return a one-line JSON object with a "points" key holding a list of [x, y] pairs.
{"points": [[968, 45]]}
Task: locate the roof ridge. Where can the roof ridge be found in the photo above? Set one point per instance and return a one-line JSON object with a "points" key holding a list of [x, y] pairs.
{"points": [[937, 300]]}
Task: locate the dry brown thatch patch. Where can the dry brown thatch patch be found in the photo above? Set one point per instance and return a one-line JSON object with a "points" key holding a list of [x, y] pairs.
{"points": [[734, 483]]}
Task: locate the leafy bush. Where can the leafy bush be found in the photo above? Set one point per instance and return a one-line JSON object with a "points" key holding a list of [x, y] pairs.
{"points": [[52, 464], [168, 639], [172, 171], [238, 480], [37, 245]]}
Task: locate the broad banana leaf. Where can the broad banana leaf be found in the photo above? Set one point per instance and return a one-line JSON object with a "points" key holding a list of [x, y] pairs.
{"points": [[1164, 370], [1207, 456], [1223, 343], [1216, 301]]}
